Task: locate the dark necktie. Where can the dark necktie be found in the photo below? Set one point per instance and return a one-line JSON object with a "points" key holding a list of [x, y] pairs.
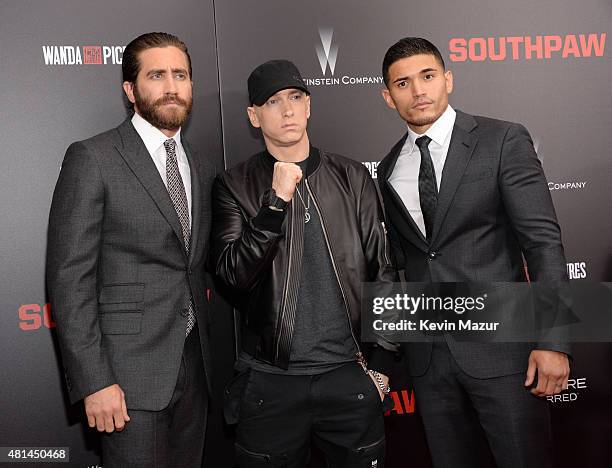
{"points": [[428, 188], [176, 189]]}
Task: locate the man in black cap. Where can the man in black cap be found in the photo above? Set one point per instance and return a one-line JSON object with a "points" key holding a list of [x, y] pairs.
{"points": [[296, 230]]}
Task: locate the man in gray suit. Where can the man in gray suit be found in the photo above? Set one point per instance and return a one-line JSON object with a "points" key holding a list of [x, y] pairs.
{"points": [[128, 235], [466, 199]]}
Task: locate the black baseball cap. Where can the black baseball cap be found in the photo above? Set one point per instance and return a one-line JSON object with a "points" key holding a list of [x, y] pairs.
{"points": [[271, 77]]}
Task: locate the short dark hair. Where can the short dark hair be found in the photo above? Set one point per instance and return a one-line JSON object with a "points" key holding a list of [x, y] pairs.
{"points": [[131, 65], [407, 47]]}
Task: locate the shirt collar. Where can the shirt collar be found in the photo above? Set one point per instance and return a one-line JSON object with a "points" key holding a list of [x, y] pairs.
{"points": [[441, 129], [152, 137]]}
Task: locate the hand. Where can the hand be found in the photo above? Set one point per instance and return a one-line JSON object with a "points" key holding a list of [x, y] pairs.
{"points": [[286, 176], [553, 370], [106, 409], [385, 381]]}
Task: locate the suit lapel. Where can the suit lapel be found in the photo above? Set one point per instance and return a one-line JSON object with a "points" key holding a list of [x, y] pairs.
{"points": [[136, 156], [459, 153], [196, 200], [413, 233]]}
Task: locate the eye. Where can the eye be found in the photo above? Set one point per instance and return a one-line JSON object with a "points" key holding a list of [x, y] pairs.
{"points": [[181, 76], [296, 97], [156, 76], [402, 84], [429, 76], [271, 102]]}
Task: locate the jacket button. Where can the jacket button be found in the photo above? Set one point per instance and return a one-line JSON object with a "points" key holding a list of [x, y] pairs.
{"points": [[432, 254]]}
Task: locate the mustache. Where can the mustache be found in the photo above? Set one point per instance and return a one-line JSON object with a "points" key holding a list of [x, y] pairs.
{"points": [[423, 101], [170, 100]]}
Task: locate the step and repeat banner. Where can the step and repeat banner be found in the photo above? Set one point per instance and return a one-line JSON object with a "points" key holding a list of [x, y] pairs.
{"points": [[546, 65]]}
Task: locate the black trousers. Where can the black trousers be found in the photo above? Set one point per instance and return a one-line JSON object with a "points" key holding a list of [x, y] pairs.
{"points": [[462, 414], [279, 415], [172, 437]]}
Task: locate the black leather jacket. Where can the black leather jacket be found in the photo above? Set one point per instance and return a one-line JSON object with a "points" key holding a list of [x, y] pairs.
{"points": [[253, 248]]}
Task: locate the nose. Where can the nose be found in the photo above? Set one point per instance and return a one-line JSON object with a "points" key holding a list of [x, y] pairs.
{"points": [[417, 88], [287, 109], [170, 84]]}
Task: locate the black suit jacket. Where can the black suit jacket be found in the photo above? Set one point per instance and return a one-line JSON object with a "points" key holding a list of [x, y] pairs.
{"points": [[494, 207], [118, 275]]}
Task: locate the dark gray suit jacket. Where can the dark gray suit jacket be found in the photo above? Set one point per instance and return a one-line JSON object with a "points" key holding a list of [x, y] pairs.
{"points": [[118, 275], [494, 207]]}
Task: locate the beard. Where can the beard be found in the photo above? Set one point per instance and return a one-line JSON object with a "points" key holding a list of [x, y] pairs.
{"points": [[156, 115], [422, 121]]}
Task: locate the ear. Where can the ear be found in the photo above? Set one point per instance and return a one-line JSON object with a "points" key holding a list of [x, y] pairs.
{"points": [[386, 95], [307, 106], [252, 113], [128, 88], [448, 77]]}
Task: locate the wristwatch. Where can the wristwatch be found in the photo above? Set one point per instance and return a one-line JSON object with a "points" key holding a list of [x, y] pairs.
{"points": [[273, 201]]}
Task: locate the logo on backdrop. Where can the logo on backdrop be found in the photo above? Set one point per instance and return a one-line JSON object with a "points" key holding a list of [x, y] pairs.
{"points": [[326, 51], [567, 185], [577, 270], [35, 316], [497, 49], [557, 185], [372, 166], [575, 387], [403, 402], [327, 55], [65, 55]]}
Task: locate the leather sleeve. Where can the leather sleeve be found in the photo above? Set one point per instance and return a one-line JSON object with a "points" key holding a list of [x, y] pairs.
{"points": [[241, 248], [376, 248]]}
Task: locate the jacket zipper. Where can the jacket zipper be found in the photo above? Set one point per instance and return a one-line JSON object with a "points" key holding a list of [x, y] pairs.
{"points": [[263, 456], [382, 223], [286, 288], [373, 444], [360, 357]]}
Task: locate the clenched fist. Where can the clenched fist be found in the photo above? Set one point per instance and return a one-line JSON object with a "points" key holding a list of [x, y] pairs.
{"points": [[286, 176]]}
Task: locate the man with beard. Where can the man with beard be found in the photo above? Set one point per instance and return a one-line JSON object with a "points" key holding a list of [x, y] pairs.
{"points": [[127, 239], [466, 200]]}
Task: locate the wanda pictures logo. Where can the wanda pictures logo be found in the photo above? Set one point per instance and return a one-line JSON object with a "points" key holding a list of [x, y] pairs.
{"points": [[68, 55]]}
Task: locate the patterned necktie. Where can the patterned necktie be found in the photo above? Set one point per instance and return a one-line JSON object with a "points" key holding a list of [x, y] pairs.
{"points": [[428, 188], [176, 190]]}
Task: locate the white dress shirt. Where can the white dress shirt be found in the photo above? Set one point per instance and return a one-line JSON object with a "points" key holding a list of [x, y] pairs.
{"points": [[153, 139], [405, 176]]}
